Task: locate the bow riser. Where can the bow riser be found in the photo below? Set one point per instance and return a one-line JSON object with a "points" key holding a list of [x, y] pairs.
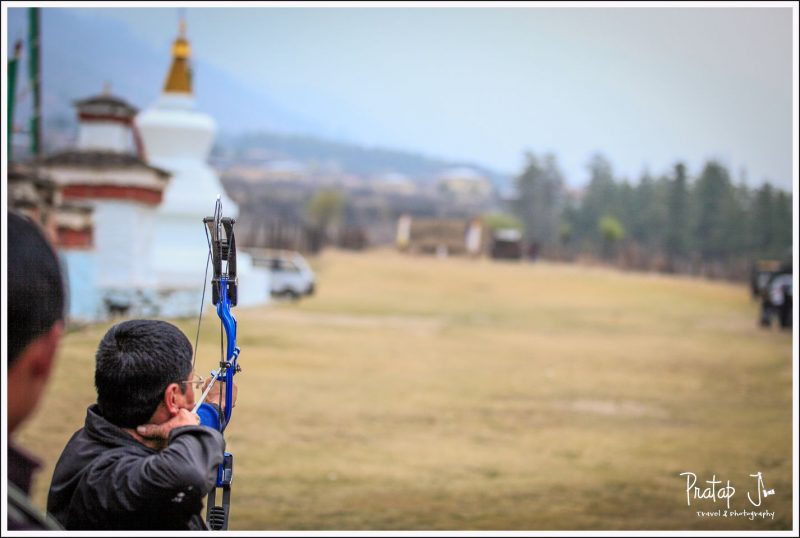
{"points": [[224, 295], [231, 366]]}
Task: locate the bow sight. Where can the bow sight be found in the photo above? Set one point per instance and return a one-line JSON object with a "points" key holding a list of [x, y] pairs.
{"points": [[222, 245]]}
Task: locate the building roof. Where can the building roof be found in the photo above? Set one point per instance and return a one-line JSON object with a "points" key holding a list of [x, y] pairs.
{"points": [[28, 189], [100, 159], [77, 207], [22, 172], [105, 105]]}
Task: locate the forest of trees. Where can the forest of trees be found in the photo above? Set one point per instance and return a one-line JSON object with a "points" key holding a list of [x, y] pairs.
{"points": [[675, 222]]}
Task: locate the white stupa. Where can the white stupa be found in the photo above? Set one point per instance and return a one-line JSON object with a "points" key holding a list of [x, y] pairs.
{"points": [[176, 137]]}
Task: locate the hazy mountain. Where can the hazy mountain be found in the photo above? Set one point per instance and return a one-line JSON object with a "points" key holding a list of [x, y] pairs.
{"points": [[360, 160], [81, 54]]}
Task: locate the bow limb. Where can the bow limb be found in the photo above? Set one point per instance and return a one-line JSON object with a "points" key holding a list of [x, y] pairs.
{"points": [[224, 286]]}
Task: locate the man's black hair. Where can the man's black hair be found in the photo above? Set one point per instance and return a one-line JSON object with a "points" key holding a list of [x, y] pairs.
{"points": [[35, 285], [136, 361]]}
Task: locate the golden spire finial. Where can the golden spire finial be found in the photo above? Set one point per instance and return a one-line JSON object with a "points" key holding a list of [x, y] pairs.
{"points": [[179, 78]]}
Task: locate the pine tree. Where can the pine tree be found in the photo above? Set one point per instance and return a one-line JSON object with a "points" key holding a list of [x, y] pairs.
{"points": [[677, 234], [712, 192], [539, 201], [601, 199], [762, 225]]}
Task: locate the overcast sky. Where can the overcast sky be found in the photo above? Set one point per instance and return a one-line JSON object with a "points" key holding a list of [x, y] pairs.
{"points": [[646, 87]]}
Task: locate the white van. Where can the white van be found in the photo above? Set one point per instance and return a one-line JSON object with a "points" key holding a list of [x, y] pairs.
{"points": [[290, 274]]}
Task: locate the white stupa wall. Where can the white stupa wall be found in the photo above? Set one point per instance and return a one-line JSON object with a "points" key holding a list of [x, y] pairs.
{"points": [[119, 264], [105, 136], [178, 138], [80, 268], [173, 129], [124, 233]]}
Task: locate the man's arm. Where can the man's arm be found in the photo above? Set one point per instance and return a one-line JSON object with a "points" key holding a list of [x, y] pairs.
{"points": [[185, 470], [189, 462]]}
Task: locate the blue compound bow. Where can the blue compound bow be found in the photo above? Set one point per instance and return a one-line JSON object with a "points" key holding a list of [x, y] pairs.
{"points": [[224, 295]]}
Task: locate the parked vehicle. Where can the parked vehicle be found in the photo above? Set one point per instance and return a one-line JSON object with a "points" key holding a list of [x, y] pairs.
{"points": [[777, 298], [762, 271], [507, 244], [290, 274]]}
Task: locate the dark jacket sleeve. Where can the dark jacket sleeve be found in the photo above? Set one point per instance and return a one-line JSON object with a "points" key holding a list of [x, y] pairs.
{"points": [[184, 471]]}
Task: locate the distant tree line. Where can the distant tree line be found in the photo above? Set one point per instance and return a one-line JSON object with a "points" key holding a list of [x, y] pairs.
{"points": [[673, 222]]}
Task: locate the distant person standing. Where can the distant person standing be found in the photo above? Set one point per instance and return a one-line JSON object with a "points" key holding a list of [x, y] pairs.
{"points": [[533, 251], [35, 326]]}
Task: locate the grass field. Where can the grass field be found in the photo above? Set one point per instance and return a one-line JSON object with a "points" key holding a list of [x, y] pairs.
{"points": [[455, 394]]}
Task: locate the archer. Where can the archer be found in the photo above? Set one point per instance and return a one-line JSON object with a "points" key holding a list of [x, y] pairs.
{"points": [[142, 460]]}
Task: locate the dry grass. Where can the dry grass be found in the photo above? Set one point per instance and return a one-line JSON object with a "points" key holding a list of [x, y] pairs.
{"points": [[416, 393]]}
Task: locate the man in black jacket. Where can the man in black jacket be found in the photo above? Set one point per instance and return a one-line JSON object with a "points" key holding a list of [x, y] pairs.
{"points": [[142, 459], [35, 325]]}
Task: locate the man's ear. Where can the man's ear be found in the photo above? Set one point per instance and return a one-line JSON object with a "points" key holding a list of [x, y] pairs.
{"points": [[28, 376], [172, 395], [41, 352]]}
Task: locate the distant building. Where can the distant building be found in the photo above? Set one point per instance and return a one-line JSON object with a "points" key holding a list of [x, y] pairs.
{"points": [[69, 224], [285, 170], [107, 125], [34, 195], [395, 183], [464, 183], [507, 244], [105, 229], [276, 171], [440, 236]]}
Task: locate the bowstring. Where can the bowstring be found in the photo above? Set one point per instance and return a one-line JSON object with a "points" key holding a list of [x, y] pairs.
{"points": [[200, 317], [217, 215]]}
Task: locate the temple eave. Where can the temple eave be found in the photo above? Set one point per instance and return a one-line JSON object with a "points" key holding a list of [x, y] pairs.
{"points": [[142, 195]]}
